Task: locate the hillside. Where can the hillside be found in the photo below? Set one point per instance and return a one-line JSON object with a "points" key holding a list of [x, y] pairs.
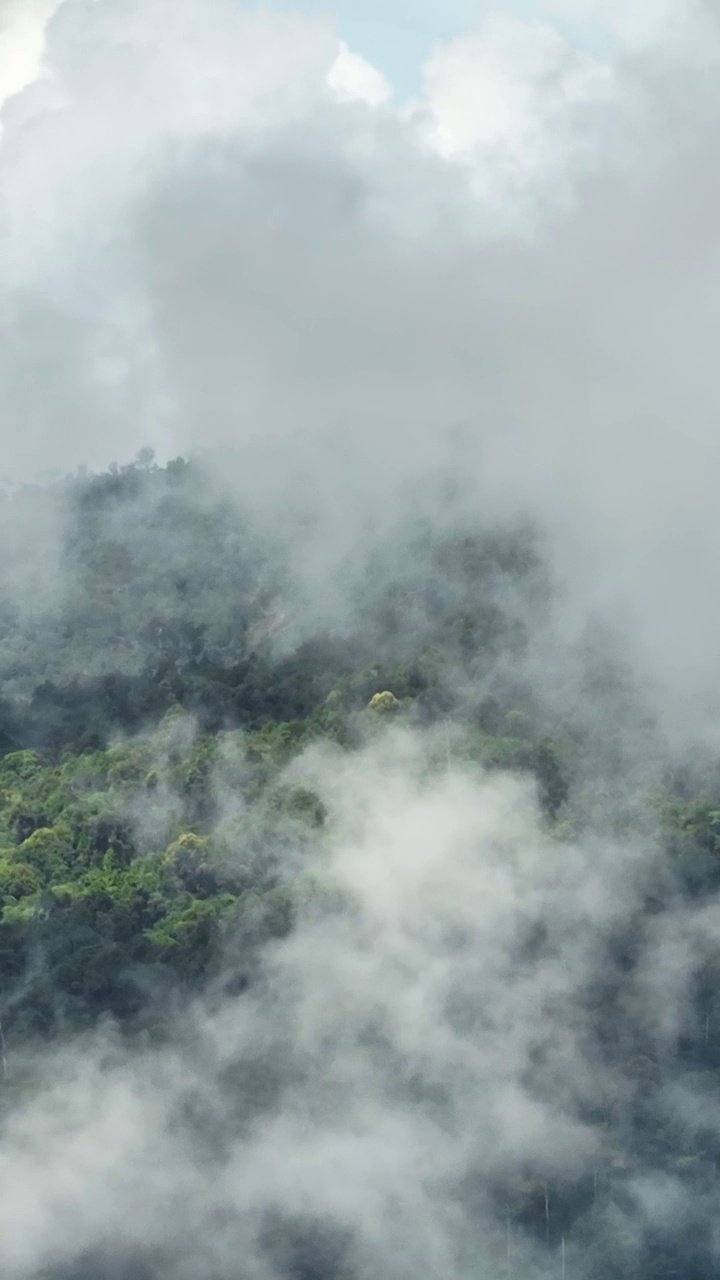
{"points": [[181, 786], [143, 802]]}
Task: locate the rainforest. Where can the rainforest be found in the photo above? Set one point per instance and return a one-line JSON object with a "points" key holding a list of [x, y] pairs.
{"points": [[190, 802], [359, 635]]}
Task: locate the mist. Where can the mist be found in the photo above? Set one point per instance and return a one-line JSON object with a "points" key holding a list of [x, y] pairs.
{"points": [[200, 248], [423, 1049], [421, 398]]}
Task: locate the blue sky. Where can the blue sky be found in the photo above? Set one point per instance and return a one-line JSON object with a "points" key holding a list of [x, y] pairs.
{"points": [[397, 35]]}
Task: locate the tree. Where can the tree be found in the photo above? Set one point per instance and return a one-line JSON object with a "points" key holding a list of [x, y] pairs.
{"points": [[384, 702], [145, 458]]}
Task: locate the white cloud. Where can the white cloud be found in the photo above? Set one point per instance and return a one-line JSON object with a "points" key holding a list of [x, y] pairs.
{"points": [[420, 1034], [200, 242], [199, 225], [510, 86], [637, 24], [22, 40], [353, 78]]}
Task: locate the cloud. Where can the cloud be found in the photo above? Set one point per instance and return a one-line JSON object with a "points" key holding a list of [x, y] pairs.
{"points": [[215, 230], [511, 85], [200, 243], [640, 24], [22, 32], [423, 1039], [353, 78]]}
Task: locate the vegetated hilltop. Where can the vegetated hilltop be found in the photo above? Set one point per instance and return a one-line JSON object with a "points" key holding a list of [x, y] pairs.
{"points": [[148, 669], [155, 838]]}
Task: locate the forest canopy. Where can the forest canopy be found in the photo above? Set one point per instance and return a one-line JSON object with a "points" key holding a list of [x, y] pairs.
{"points": [[157, 663], [182, 754]]}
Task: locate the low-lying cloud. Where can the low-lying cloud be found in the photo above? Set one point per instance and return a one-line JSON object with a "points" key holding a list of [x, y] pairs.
{"points": [[207, 243], [201, 244], [426, 1042]]}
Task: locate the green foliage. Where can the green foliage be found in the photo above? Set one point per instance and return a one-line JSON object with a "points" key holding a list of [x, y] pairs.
{"points": [[153, 837], [188, 932], [384, 702], [152, 707], [277, 743], [90, 909], [17, 879], [48, 851], [19, 764], [304, 804]]}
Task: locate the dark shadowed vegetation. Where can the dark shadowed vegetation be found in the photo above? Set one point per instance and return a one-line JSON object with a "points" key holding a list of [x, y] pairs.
{"points": [[155, 842]]}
